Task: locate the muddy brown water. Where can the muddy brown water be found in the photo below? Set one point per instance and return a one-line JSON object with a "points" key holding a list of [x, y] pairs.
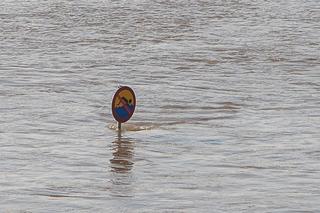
{"points": [[228, 97]]}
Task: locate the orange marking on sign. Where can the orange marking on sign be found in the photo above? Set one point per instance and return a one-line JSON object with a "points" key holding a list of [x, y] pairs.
{"points": [[122, 102], [125, 105]]}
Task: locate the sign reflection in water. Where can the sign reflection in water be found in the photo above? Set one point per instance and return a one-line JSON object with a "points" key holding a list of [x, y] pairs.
{"points": [[122, 161]]}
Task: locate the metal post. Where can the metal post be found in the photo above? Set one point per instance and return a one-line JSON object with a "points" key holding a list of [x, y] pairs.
{"points": [[119, 126]]}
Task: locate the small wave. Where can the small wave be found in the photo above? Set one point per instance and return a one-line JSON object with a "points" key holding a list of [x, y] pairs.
{"points": [[143, 126], [132, 127]]}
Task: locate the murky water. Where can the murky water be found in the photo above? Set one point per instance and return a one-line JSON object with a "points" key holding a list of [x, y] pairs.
{"points": [[229, 92]]}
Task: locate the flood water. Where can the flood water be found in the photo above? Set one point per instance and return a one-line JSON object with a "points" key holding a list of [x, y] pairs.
{"points": [[228, 96]]}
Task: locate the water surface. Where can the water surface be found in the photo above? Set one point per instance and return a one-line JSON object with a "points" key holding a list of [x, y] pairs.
{"points": [[227, 90]]}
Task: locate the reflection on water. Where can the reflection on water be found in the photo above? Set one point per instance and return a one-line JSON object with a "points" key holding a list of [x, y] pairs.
{"points": [[121, 166], [122, 161]]}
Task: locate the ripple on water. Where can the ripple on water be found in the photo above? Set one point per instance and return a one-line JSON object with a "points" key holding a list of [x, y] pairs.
{"points": [[227, 118]]}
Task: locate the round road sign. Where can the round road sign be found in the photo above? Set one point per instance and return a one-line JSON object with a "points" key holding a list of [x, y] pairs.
{"points": [[123, 104]]}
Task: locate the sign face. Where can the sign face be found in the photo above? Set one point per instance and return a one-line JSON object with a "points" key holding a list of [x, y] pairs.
{"points": [[123, 104]]}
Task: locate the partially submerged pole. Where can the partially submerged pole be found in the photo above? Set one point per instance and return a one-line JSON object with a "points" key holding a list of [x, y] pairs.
{"points": [[119, 126]]}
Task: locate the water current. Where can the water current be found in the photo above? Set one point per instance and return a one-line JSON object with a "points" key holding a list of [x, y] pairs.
{"points": [[228, 96]]}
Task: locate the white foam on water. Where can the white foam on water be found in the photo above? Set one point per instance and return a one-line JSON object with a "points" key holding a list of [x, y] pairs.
{"points": [[132, 127]]}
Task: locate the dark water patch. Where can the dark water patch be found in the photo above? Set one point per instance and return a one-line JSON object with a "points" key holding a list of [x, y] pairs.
{"points": [[225, 106], [206, 61]]}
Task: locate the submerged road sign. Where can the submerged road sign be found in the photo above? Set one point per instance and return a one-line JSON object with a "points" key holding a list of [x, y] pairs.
{"points": [[123, 104]]}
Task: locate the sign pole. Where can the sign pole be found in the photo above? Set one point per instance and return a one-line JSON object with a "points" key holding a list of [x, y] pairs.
{"points": [[119, 126]]}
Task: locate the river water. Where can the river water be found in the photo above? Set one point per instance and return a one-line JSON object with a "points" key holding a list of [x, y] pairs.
{"points": [[229, 92]]}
